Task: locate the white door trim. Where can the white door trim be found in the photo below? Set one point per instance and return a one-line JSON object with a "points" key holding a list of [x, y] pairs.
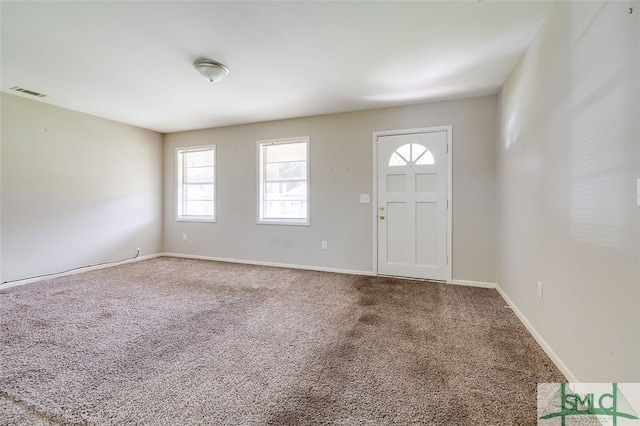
{"points": [[376, 135]]}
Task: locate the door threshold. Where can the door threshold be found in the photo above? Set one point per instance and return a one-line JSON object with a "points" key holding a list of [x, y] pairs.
{"points": [[413, 279]]}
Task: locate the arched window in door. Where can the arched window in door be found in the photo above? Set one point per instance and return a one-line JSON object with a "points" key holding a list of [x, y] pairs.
{"points": [[411, 153]]}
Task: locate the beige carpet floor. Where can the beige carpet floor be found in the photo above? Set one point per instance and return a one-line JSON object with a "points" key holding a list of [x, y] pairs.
{"points": [[172, 341]]}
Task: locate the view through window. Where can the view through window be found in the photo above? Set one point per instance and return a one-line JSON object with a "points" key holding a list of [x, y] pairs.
{"points": [[196, 184], [284, 181]]}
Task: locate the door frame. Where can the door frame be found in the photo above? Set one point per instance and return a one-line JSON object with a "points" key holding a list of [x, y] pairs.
{"points": [[376, 135]]}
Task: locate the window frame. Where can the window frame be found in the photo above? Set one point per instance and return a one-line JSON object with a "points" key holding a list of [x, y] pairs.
{"points": [[260, 219], [179, 184], [412, 160]]}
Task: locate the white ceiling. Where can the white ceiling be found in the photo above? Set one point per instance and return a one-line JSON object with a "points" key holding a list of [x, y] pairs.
{"points": [[132, 61]]}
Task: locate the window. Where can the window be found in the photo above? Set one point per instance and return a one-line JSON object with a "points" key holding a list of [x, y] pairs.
{"points": [[284, 181], [411, 152], [196, 184]]}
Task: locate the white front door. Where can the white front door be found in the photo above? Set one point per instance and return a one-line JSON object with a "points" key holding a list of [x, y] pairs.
{"points": [[412, 205]]}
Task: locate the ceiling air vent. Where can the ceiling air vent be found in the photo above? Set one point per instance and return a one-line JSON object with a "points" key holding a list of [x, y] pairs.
{"points": [[28, 92]]}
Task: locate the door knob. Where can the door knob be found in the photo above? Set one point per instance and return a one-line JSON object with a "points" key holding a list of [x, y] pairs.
{"points": [[381, 216]]}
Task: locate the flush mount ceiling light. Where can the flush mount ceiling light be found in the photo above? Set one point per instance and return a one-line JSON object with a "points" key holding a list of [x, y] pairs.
{"points": [[211, 70]]}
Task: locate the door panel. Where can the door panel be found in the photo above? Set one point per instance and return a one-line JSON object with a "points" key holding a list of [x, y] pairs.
{"points": [[396, 233], [412, 205], [396, 183], [426, 234]]}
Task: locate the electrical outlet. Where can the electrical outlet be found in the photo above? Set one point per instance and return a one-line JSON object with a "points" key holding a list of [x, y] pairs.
{"points": [[539, 290], [138, 250], [184, 236], [324, 245]]}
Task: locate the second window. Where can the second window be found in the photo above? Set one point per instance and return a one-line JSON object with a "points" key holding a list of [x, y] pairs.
{"points": [[284, 181]]}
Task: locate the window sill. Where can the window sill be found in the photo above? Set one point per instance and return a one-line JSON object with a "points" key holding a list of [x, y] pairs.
{"points": [[196, 219], [289, 222]]}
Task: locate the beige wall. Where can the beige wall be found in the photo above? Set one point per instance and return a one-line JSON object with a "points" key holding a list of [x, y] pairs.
{"points": [[80, 190], [76, 189], [567, 161], [341, 168]]}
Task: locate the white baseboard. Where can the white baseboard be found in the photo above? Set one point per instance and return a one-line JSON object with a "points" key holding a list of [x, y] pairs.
{"points": [[276, 265], [230, 260], [545, 346], [474, 283], [76, 271]]}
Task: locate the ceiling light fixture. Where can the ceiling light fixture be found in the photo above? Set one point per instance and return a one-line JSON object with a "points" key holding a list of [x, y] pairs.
{"points": [[211, 70]]}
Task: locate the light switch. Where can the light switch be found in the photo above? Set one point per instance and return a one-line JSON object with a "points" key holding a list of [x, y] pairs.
{"points": [[364, 198]]}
